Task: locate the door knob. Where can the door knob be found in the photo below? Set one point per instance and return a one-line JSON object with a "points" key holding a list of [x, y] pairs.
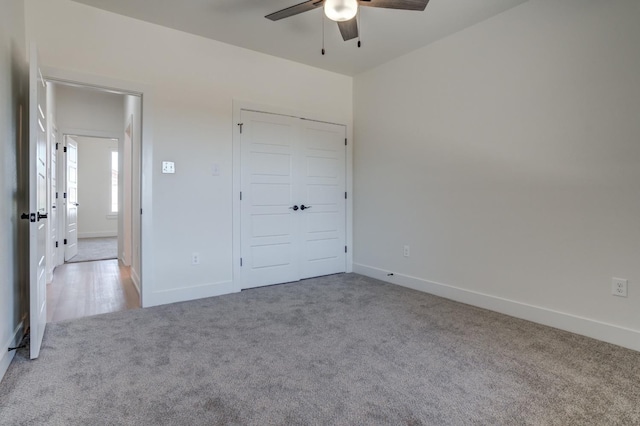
{"points": [[294, 208], [31, 217], [303, 207], [76, 204]]}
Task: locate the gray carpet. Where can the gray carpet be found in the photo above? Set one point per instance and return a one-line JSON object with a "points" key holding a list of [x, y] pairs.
{"points": [[334, 350], [96, 249]]}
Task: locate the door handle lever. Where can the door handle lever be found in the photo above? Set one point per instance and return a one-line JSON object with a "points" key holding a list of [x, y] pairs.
{"points": [[31, 217], [42, 216], [294, 208], [303, 207]]}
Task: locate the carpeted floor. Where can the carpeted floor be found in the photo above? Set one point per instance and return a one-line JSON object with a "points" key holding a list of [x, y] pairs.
{"points": [[342, 349], [96, 249]]}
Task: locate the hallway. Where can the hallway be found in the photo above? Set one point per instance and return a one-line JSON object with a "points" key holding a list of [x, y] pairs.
{"points": [[90, 288]]}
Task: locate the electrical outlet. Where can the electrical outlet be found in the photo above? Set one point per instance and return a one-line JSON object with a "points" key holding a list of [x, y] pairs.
{"points": [[405, 251], [195, 259], [619, 287]]}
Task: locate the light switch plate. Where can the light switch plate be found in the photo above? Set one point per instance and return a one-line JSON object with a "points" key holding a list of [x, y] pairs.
{"points": [[168, 167]]}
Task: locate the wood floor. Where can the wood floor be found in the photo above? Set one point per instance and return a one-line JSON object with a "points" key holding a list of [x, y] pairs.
{"points": [[90, 288]]}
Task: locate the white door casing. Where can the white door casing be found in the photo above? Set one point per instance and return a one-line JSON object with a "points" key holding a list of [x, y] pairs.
{"points": [[71, 201], [288, 163], [37, 203]]}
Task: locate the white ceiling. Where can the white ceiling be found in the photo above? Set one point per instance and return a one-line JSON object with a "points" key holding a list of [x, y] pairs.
{"points": [[385, 33]]}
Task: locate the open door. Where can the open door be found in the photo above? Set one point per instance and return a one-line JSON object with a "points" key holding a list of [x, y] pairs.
{"points": [[37, 203], [71, 234]]}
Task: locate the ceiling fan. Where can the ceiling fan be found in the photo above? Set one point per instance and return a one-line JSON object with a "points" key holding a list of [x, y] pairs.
{"points": [[344, 11]]}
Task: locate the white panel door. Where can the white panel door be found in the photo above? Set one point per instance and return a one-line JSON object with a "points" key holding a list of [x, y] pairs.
{"points": [[268, 223], [322, 181], [37, 203], [293, 218], [71, 232]]}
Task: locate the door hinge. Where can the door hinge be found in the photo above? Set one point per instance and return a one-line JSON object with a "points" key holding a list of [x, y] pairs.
{"points": [[240, 125], [64, 149], [56, 244], [65, 195], [56, 195], [345, 249], [140, 211], [345, 195], [65, 241], [240, 195], [345, 141], [57, 143], [240, 261]]}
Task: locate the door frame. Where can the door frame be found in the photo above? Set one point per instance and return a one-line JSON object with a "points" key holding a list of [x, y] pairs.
{"points": [[238, 107], [145, 92]]}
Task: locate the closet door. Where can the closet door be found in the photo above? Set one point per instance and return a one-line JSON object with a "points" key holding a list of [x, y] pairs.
{"points": [[293, 207], [322, 183], [268, 237]]}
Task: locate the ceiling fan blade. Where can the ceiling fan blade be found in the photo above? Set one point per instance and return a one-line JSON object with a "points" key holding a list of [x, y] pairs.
{"points": [[348, 29], [396, 4], [294, 10]]}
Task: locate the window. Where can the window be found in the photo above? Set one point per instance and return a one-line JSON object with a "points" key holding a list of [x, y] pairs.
{"points": [[114, 181]]}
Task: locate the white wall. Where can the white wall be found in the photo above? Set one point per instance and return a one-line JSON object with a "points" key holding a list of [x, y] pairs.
{"points": [[194, 82], [81, 108], [13, 97], [94, 188], [507, 156]]}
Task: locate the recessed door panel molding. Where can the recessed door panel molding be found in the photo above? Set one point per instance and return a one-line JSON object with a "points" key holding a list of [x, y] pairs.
{"points": [[293, 210], [270, 225], [269, 194], [270, 163]]}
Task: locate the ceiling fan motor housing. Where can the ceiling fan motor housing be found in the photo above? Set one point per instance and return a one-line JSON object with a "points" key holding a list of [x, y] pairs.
{"points": [[340, 10]]}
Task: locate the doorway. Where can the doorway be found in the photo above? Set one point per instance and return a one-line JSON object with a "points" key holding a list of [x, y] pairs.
{"points": [[97, 185], [93, 178]]}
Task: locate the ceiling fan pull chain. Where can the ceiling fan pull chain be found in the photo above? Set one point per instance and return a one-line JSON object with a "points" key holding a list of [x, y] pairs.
{"points": [[323, 33], [359, 27]]}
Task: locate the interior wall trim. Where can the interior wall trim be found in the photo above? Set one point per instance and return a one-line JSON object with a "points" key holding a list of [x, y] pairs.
{"points": [[162, 297], [13, 341], [609, 333]]}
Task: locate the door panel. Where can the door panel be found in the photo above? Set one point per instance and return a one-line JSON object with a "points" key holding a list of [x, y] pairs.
{"points": [[268, 242], [38, 203], [323, 181], [71, 232], [287, 161]]}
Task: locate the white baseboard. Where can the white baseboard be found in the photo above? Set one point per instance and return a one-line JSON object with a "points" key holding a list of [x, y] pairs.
{"points": [[189, 293], [97, 234], [7, 356], [610, 333], [136, 280], [123, 259]]}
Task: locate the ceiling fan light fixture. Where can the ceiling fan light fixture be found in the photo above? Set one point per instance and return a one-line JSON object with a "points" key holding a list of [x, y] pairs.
{"points": [[340, 10]]}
